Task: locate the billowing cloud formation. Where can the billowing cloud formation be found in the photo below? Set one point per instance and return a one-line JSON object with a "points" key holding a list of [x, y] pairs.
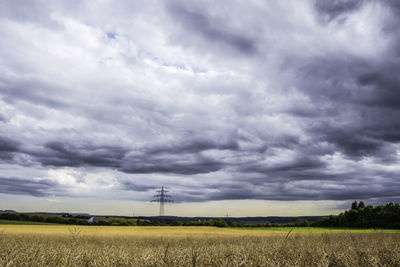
{"points": [[26, 187], [262, 100]]}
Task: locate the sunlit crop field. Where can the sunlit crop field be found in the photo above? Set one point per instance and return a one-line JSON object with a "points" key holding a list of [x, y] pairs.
{"points": [[131, 232], [52, 245]]}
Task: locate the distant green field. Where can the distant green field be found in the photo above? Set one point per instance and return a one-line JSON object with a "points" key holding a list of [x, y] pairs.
{"points": [[23, 222], [321, 229]]}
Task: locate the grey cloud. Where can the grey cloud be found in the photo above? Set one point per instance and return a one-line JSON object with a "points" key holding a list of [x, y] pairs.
{"points": [[234, 194], [356, 193], [395, 6], [33, 91], [8, 147], [202, 24], [382, 82], [306, 190], [289, 169], [353, 142], [61, 154], [183, 164], [312, 112], [365, 98], [129, 185], [18, 186], [331, 9], [38, 11], [147, 160], [26, 11], [194, 146]]}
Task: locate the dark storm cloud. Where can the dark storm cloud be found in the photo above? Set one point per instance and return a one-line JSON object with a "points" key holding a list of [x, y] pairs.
{"points": [[331, 9], [351, 187], [8, 148], [17, 186], [365, 97], [148, 160], [352, 141], [198, 23], [183, 164], [394, 5], [8, 145], [308, 167], [362, 192], [383, 83], [129, 185], [347, 79], [194, 146], [61, 154]]}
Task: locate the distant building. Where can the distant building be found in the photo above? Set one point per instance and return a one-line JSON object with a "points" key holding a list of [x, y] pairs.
{"points": [[92, 220]]}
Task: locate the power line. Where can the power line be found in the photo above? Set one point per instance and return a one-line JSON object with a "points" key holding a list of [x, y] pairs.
{"points": [[162, 197]]}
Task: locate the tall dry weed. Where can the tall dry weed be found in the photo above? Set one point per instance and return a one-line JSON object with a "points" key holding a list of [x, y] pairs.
{"points": [[294, 249]]}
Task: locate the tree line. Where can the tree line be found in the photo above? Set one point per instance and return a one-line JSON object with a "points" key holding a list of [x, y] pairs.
{"points": [[64, 219], [361, 216]]}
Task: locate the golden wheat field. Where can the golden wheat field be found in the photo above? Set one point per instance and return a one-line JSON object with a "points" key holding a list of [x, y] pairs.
{"points": [[47, 245]]}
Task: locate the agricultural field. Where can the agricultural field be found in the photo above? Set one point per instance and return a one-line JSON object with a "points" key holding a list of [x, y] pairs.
{"points": [[321, 229], [22, 222], [56, 245]]}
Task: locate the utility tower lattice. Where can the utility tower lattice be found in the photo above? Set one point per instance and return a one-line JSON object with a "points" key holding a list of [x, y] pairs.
{"points": [[163, 198]]}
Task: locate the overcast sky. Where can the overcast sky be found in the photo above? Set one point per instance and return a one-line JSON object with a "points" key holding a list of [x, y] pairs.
{"points": [[282, 104]]}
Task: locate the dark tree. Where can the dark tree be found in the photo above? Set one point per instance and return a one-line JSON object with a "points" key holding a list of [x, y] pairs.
{"points": [[382, 216], [354, 205]]}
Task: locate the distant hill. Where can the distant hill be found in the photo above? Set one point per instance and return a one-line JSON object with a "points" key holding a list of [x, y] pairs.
{"points": [[237, 220], [249, 220], [61, 213]]}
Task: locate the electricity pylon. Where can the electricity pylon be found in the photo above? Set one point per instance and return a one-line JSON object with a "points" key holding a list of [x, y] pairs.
{"points": [[163, 198]]}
